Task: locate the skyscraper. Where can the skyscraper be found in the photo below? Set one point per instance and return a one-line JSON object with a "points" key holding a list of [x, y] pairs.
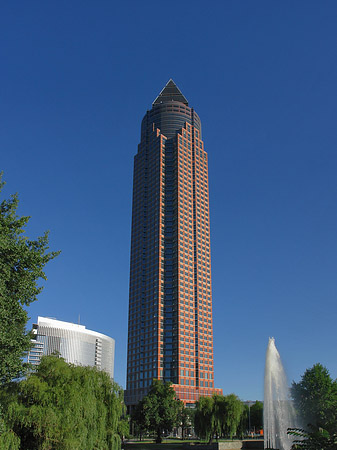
{"points": [[170, 333]]}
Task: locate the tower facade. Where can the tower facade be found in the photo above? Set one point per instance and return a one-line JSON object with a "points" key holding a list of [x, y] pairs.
{"points": [[170, 334]]}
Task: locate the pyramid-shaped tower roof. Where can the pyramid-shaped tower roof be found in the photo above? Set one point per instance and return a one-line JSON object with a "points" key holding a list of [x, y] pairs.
{"points": [[170, 93]]}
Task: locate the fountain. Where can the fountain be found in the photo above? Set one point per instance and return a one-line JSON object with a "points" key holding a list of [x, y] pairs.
{"points": [[278, 412]]}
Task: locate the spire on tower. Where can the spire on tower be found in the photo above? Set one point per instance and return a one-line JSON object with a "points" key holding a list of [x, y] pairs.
{"points": [[170, 93]]}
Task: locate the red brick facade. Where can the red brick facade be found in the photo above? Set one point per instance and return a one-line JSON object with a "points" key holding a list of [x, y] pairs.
{"points": [[170, 308]]}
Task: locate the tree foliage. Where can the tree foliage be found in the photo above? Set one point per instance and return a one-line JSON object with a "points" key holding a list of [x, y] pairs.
{"points": [[204, 418], [138, 420], [244, 422], [64, 407], [158, 411], [185, 418], [315, 398], [232, 410], [21, 267], [318, 439], [256, 415], [218, 415], [8, 439], [124, 428]]}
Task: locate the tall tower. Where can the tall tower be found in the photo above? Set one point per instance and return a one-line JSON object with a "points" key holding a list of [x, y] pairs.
{"points": [[170, 308]]}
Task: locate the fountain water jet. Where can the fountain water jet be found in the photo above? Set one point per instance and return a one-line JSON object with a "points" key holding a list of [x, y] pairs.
{"points": [[278, 412]]}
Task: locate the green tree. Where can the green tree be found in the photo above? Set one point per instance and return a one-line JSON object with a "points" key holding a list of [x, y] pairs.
{"points": [[64, 407], [315, 398], [244, 422], [256, 415], [232, 411], [124, 428], [21, 267], [204, 418], [8, 439], [217, 415], [138, 425], [318, 439], [185, 418], [159, 409]]}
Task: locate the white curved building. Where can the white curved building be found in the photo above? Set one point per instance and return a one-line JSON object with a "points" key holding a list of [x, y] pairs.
{"points": [[74, 343]]}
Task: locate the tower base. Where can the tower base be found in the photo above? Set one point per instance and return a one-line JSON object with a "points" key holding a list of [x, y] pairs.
{"points": [[191, 394]]}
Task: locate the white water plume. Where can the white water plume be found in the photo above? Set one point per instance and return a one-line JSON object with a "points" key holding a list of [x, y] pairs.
{"points": [[278, 411]]}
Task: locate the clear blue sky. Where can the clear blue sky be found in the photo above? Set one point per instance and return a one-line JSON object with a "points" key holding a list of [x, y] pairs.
{"points": [[76, 79]]}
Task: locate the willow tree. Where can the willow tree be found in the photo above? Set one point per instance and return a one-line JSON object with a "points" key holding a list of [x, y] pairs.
{"points": [[217, 415], [21, 267], [232, 411], [66, 407], [204, 418]]}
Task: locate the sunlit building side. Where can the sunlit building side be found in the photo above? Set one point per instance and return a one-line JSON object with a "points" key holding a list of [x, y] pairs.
{"points": [[74, 343]]}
